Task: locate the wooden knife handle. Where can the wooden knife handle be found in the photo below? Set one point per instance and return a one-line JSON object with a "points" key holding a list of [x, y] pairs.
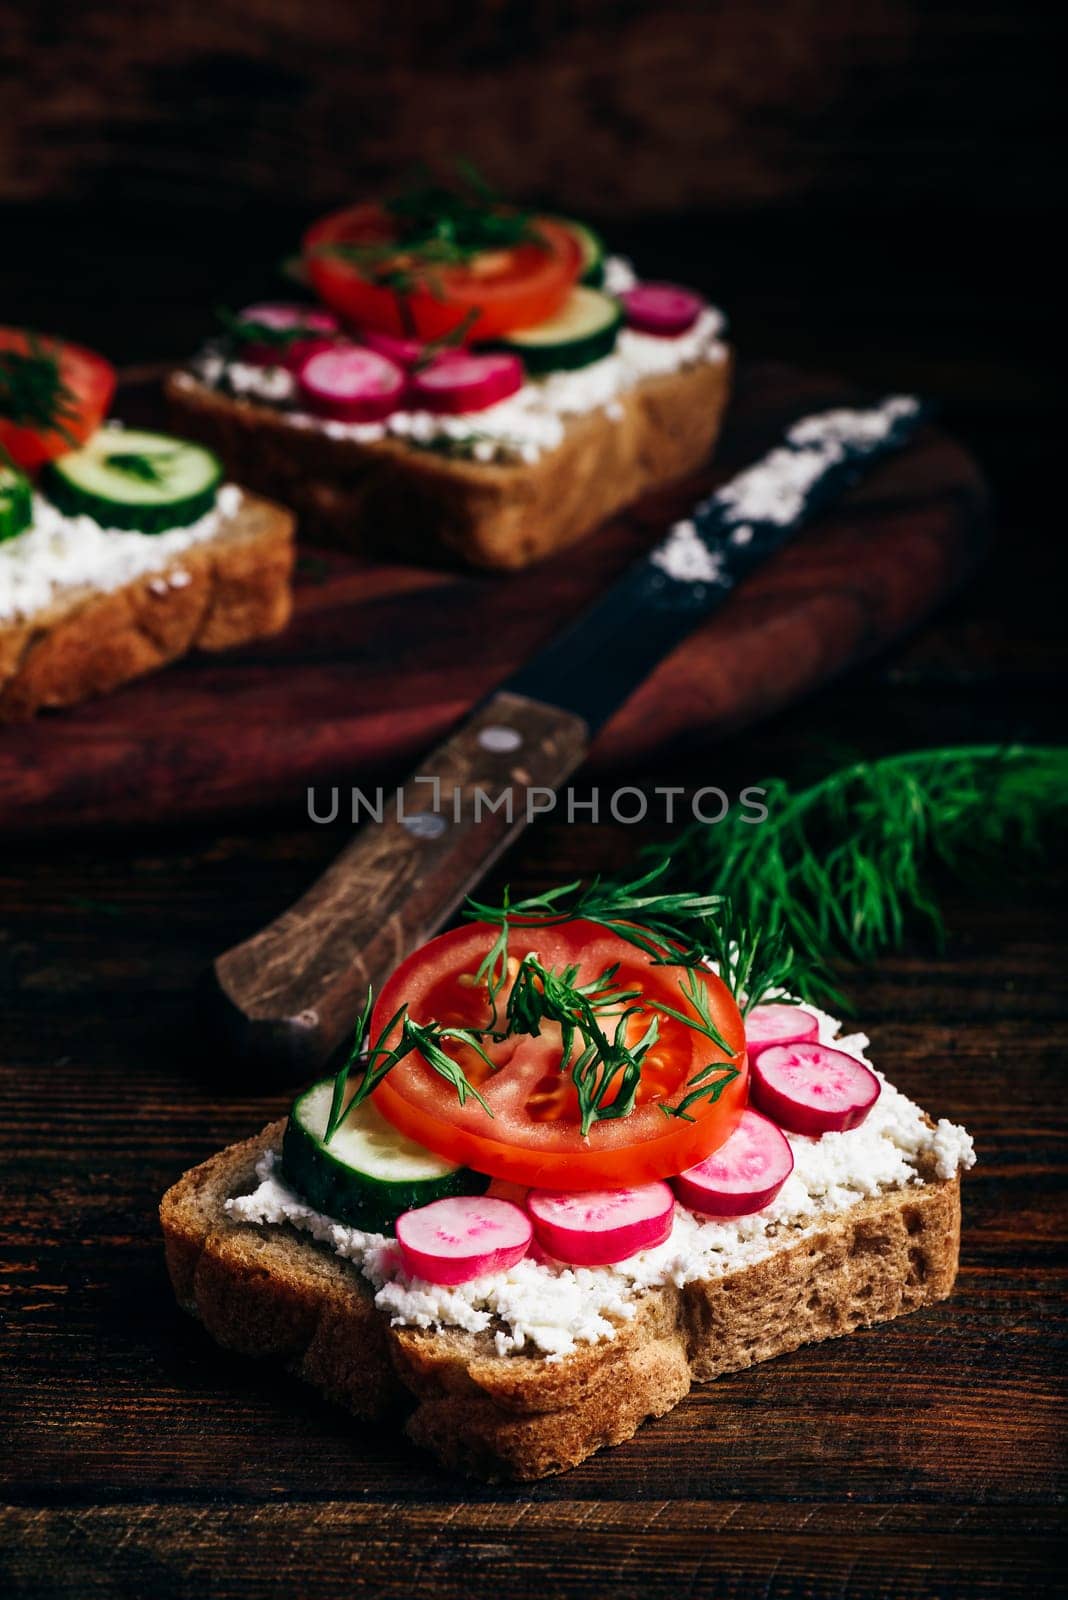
{"points": [[292, 992]]}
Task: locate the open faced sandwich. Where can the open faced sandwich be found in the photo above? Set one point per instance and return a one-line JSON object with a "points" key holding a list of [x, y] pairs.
{"points": [[568, 1171], [120, 549], [472, 379]]}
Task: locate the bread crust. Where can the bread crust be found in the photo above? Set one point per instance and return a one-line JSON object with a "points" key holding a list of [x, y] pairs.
{"points": [[388, 498], [223, 592], [275, 1292]]}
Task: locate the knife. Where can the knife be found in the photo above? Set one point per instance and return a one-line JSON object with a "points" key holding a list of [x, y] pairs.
{"points": [[292, 992]]}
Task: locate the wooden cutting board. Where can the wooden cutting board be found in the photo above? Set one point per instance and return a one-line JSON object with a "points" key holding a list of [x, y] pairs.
{"points": [[381, 660]]}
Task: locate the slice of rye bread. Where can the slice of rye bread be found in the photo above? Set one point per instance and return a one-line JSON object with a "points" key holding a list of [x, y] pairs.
{"points": [[391, 499], [231, 588], [273, 1291]]}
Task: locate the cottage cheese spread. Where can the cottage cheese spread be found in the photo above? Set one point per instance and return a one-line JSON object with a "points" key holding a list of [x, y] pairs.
{"points": [[552, 1309], [528, 423], [57, 553]]}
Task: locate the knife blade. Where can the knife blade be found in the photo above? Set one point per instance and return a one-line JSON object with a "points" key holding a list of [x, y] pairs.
{"points": [[291, 993]]}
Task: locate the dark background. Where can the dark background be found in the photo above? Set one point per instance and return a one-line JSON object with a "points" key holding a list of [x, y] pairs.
{"points": [[869, 189]]}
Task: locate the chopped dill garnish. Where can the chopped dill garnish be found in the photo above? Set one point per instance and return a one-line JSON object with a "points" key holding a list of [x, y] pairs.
{"points": [[145, 467], [840, 870], [837, 870], [33, 393]]}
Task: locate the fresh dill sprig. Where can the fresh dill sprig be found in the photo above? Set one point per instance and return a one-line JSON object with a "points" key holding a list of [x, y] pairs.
{"points": [[754, 962], [667, 925], [33, 392], [695, 991], [435, 226], [493, 969], [426, 1038], [679, 929], [611, 1065], [837, 870], [594, 1017], [708, 1084], [461, 217], [145, 467], [841, 869], [676, 928], [546, 994]]}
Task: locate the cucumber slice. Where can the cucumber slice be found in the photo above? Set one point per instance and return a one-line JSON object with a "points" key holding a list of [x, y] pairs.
{"points": [[16, 502], [125, 478], [583, 330], [593, 252], [368, 1173]]}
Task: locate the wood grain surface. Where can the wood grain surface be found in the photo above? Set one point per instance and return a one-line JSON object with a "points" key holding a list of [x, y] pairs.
{"points": [[920, 1459], [382, 660], [925, 1459], [257, 99]]}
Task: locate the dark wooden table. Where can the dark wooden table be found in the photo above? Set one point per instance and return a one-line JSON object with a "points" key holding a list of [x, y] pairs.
{"points": [[921, 1458], [917, 1459]]}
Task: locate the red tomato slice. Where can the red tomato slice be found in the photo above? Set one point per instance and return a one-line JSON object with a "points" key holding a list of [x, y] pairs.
{"points": [[87, 383], [515, 287], [534, 1136]]}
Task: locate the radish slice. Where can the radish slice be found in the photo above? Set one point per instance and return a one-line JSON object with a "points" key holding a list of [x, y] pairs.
{"points": [[404, 352], [458, 381], [464, 1237], [743, 1175], [778, 1024], [663, 309], [812, 1089], [321, 327], [600, 1226], [284, 314], [351, 384]]}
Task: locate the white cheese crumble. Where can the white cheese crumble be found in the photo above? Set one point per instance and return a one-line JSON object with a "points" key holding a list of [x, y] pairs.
{"points": [[523, 426], [685, 556], [552, 1309], [777, 487], [618, 275], [775, 490], [265, 383], [57, 553]]}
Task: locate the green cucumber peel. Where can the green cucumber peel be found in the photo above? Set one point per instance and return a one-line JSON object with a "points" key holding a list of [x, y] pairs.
{"points": [[16, 501], [135, 481], [367, 1173]]}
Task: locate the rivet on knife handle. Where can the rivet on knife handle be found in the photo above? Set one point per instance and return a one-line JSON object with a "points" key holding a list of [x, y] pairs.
{"points": [[291, 992]]}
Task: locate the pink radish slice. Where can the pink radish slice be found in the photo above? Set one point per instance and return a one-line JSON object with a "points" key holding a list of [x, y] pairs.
{"points": [[542, 1257], [812, 1089], [321, 327], [777, 1023], [351, 384], [455, 1240], [743, 1175], [458, 381], [600, 1226], [664, 309], [283, 314], [404, 352]]}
